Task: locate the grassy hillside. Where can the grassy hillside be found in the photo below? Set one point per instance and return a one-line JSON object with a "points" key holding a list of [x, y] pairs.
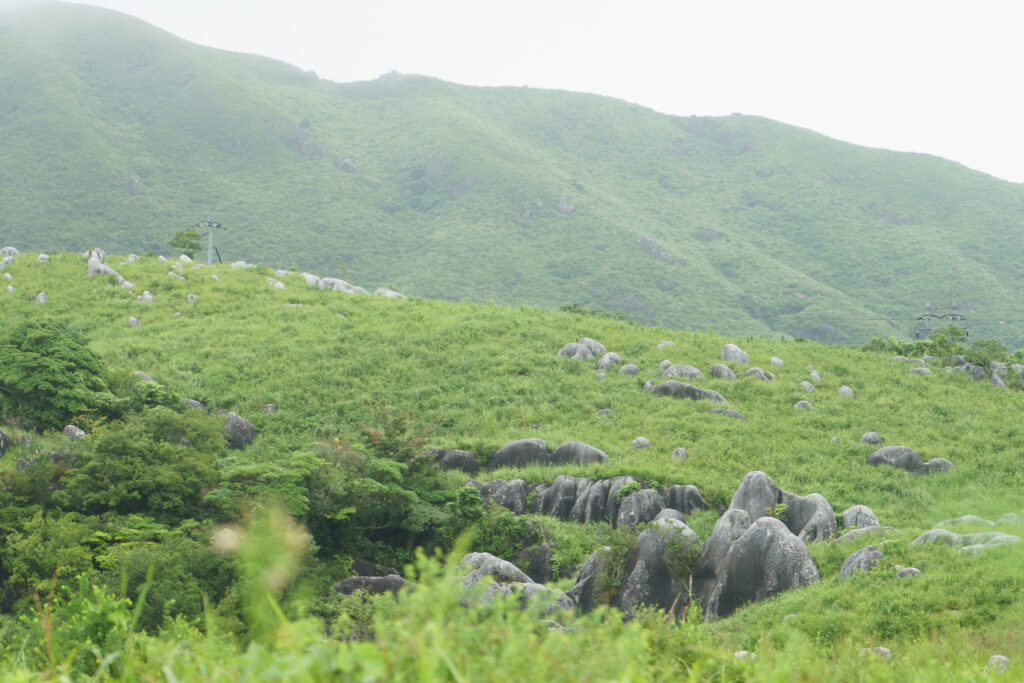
{"points": [[116, 133], [359, 379]]}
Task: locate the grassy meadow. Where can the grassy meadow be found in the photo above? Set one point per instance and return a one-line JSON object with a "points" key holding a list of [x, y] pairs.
{"points": [[121, 573]]}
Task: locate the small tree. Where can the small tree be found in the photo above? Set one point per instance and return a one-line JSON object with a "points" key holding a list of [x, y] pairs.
{"points": [[187, 241]]}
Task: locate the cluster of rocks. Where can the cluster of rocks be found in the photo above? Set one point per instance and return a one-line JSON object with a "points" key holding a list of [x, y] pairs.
{"points": [[586, 501], [534, 451], [968, 543], [96, 266], [907, 459], [758, 547]]}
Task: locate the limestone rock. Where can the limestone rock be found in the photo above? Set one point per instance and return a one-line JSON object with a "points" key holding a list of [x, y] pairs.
{"points": [[40, 298], [642, 442], [608, 360], [760, 374], [909, 460], [578, 453], [815, 376], [389, 293], [454, 459], [337, 285], [575, 351], [997, 664], [919, 371], [722, 371], [586, 591], [194, 404], [145, 298], [664, 344], [859, 516], [374, 585], [764, 561], [133, 321], [776, 362], [864, 531], [42, 258], [682, 390], [629, 369], [728, 413], [519, 453], [680, 454], [311, 280], [860, 561], [734, 354], [872, 438], [596, 348], [508, 494], [639, 507], [240, 431], [74, 433], [649, 579], [845, 392], [680, 370], [685, 498], [803, 405], [9, 251], [808, 387], [908, 572], [5, 441]]}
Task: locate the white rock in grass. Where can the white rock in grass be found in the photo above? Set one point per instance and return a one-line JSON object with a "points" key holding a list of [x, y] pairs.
{"points": [[161, 259], [191, 297], [40, 298], [389, 293], [664, 344], [146, 297], [311, 280], [998, 663], [185, 258], [803, 405], [845, 392], [8, 276], [215, 278], [680, 454], [10, 289], [777, 362], [281, 273], [9, 251], [42, 258], [133, 321], [279, 285], [642, 442]]}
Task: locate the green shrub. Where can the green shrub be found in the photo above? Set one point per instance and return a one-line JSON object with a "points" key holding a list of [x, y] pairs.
{"points": [[48, 375]]}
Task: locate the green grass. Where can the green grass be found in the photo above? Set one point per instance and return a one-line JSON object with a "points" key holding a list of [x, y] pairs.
{"points": [[477, 376], [120, 135]]}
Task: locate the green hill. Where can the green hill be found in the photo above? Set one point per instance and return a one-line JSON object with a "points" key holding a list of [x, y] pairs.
{"points": [[151, 507], [118, 134]]}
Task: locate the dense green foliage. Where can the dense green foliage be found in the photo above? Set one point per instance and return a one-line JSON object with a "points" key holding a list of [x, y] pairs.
{"points": [[150, 547], [511, 195]]}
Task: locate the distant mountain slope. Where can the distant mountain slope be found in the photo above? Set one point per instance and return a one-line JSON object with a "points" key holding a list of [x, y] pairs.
{"points": [[118, 134]]}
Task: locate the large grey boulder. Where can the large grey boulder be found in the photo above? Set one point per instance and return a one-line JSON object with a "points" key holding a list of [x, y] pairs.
{"points": [[685, 498], [845, 392], [578, 453], [455, 459], [575, 351], [998, 382], [734, 354], [641, 442], [680, 370], [374, 585], [722, 371], [776, 362], [639, 507], [629, 369], [803, 405], [608, 360], [860, 561], [240, 431], [908, 459], [680, 454], [814, 375], [809, 517], [765, 560], [872, 438], [519, 454], [97, 267], [859, 516], [808, 387], [977, 372], [9, 251], [650, 579], [682, 390]]}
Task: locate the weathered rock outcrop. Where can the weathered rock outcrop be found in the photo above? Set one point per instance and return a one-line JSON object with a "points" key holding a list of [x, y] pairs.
{"points": [[722, 371], [683, 390], [455, 459], [908, 459], [809, 517], [374, 585], [639, 507], [872, 438], [629, 369], [650, 577], [5, 441], [534, 451], [507, 580], [335, 285], [608, 360], [766, 559], [859, 516], [576, 351], [759, 374], [734, 354], [240, 431], [860, 561], [680, 370]]}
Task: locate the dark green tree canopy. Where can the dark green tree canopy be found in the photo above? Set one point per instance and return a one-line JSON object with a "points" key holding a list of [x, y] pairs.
{"points": [[48, 376]]}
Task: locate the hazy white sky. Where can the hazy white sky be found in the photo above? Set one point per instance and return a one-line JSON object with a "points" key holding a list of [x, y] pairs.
{"points": [[933, 76]]}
